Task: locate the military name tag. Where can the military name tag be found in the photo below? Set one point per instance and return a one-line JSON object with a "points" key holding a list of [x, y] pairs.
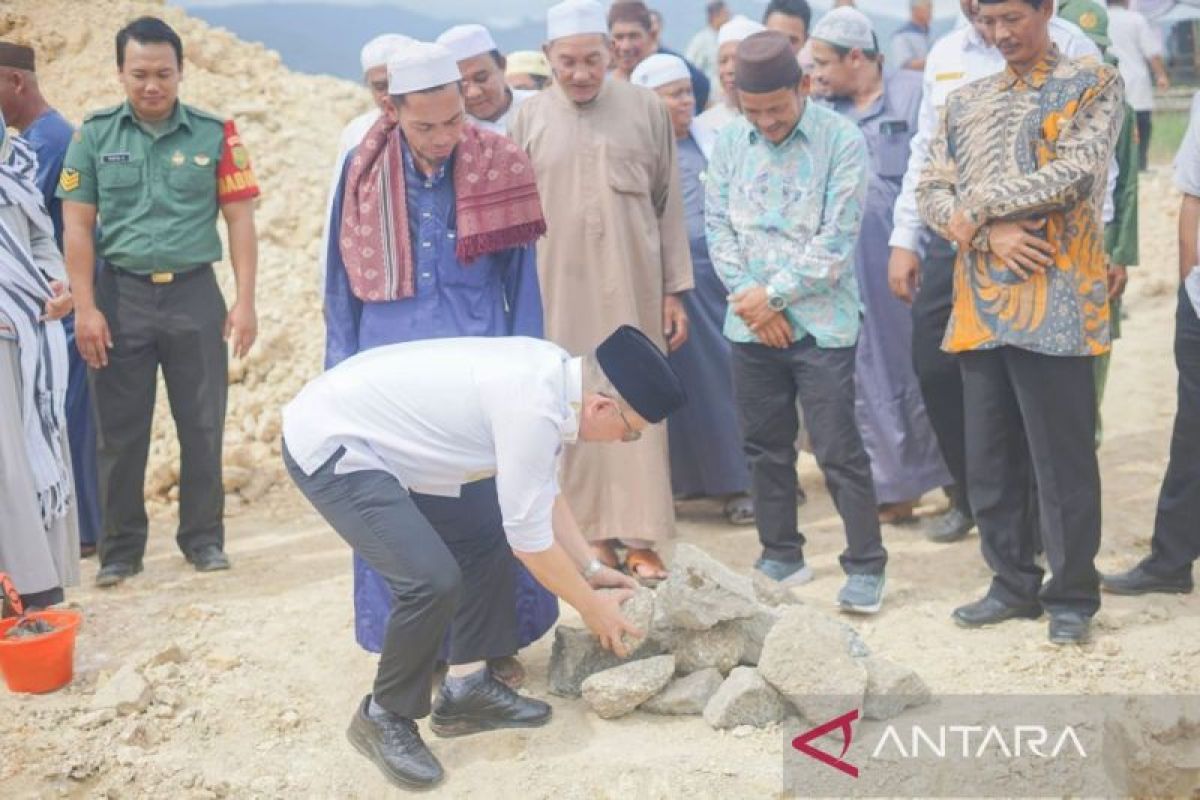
{"points": [[114, 158]]}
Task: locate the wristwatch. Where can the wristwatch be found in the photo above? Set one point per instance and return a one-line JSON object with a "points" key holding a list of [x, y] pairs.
{"points": [[592, 568], [775, 301]]}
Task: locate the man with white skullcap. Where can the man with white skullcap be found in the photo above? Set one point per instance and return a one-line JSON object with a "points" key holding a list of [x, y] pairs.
{"points": [[434, 222], [848, 67], [731, 33], [616, 253], [374, 58], [490, 103], [705, 441]]}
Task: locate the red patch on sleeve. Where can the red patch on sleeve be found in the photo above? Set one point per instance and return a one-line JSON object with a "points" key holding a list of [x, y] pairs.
{"points": [[235, 177]]}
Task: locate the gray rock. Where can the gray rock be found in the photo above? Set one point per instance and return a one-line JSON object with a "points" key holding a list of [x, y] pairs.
{"points": [[753, 632], [126, 692], [806, 658], [744, 699], [639, 610], [617, 691], [891, 688], [719, 647], [771, 592], [702, 591], [577, 654], [686, 695]]}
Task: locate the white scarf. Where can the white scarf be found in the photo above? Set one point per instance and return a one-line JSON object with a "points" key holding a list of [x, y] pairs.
{"points": [[42, 346]]}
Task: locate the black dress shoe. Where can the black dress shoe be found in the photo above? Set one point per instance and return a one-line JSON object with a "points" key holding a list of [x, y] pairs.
{"points": [[1069, 627], [949, 526], [1140, 581], [990, 611], [208, 558], [116, 573], [484, 704], [395, 746]]}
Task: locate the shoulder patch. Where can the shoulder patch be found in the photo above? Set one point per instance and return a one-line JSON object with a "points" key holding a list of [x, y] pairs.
{"points": [[68, 180]]}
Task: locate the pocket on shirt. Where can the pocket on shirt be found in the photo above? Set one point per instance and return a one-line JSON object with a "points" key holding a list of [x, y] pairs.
{"points": [[119, 182], [891, 156], [191, 182], [627, 175]]}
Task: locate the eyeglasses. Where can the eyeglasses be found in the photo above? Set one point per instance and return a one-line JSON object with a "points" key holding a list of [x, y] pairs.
{"points": [[631, 434]]}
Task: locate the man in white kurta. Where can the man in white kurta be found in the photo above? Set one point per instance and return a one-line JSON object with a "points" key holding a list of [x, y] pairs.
{"points": [[374, 57], [616, 252]]}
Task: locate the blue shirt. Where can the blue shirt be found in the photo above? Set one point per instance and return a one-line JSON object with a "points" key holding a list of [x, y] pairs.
{"points": [[49, 135], [787, 217], [495, 295]]}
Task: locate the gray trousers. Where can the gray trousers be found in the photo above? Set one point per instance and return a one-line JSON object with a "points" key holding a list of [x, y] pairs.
{"points": [[1034, 415], [445, 559], [767, 383], [180, 326]]}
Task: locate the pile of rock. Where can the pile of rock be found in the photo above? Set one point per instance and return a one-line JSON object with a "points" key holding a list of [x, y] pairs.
{"points": [[737, 650]]}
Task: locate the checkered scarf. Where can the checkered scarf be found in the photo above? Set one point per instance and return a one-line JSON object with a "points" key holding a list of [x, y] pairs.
{"points": [[496, 205]]}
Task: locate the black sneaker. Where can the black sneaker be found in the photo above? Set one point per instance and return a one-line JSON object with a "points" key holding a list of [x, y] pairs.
{"points": [[116, 573], [208, 558], [484, 704], [990, 611], [949, 526], [1139, 580], [395, 746]]}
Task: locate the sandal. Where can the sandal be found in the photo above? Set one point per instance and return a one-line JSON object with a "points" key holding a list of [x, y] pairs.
{"points": [[639, 562], [739, 510], [606, 554], [897, 513]]}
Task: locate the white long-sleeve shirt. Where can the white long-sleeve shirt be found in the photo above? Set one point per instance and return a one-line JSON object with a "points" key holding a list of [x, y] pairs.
{"points": [[959, 58], [440, 413]]}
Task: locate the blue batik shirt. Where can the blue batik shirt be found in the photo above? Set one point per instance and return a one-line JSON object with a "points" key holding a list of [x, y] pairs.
{"points": [[787, 217]]}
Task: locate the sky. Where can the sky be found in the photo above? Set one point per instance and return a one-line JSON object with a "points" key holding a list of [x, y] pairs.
{"points": [[526, 9]]}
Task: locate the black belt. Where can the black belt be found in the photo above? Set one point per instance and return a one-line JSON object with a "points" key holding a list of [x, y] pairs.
{"points": [[162, 276]]}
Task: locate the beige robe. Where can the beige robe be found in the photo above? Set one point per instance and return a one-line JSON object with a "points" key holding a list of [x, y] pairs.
{"points": [[616, 244]]}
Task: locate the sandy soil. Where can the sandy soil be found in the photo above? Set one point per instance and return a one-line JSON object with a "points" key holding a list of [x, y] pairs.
{"points": [[254, 698]]}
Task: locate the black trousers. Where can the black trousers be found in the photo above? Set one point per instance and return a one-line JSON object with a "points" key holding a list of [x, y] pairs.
{"points": [[445, 559], [1176, 542], [1144, 127], [180, 326], [937, 371], [767, 384], [1034, 413]]}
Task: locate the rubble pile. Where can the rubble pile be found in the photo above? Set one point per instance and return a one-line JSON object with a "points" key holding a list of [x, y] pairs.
{"points": [[734, 650]]}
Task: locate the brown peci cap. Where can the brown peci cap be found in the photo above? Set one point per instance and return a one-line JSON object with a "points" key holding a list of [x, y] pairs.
{"points": [[16, 56], [765, 63]]}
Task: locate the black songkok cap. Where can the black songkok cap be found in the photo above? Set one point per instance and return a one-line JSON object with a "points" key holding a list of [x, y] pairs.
{"points": [[765, 62], [16, 56], [640, 372]]}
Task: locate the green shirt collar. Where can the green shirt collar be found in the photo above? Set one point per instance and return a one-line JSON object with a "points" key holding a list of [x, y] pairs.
{"points": [[803, 130], [179, 118]]}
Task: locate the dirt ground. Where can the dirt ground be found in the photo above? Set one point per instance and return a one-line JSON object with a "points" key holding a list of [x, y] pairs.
{"points": [[258, 672]]}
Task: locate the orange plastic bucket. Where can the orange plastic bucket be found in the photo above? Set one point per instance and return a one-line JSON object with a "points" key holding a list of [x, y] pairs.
{"points": [[40, 663]]}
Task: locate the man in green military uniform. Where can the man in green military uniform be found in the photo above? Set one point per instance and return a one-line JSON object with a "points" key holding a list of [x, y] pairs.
{"points": [[155, 172], [1120, 232]]}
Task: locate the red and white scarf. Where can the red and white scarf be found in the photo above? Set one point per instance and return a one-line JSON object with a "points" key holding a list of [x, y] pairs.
{"points": [[496, 207]]}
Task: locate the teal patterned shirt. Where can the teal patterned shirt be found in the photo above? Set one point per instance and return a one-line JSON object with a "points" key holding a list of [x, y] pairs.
{"points": [[787, 217]]}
